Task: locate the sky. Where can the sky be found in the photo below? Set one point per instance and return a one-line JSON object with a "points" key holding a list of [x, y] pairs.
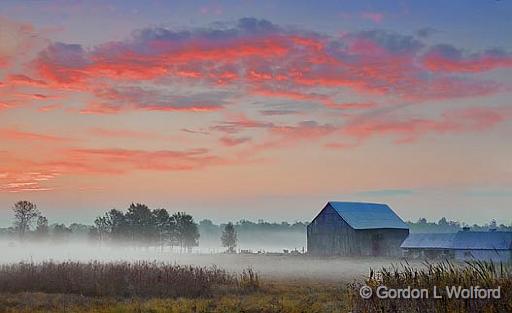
{"points": [[256, 109]]}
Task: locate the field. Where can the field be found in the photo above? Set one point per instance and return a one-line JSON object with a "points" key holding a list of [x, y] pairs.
{"points": [[156, 287], [84, 278]]}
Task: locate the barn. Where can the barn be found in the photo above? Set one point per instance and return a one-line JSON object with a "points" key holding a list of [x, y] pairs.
{"points": [[356, 229], [462, 246]]}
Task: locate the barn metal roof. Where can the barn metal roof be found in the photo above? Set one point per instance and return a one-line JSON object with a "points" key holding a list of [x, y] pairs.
{"points": [[361, 215], [482, 240], [463, 240], [428, 241]]}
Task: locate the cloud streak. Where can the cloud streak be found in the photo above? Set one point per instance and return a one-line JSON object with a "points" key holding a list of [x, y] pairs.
{"points": [[264, 59]]}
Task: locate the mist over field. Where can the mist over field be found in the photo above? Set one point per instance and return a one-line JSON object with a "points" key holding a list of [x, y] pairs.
{"points": [[270, 265]]}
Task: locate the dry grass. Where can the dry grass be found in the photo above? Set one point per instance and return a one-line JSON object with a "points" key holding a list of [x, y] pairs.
{"points": [[441, 275], [156, 287], [271, 298], [140, 279]]}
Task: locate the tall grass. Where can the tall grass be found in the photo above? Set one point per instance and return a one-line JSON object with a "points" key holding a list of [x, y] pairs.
{"points": [[443, 274], [122, 279]]}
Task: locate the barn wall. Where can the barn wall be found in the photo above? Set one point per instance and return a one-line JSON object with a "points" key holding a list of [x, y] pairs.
{"points": [[381, 242], [329, 234]]}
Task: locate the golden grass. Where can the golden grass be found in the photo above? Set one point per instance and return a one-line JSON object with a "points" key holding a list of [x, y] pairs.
{"points": [[122, 279], [246, 292], [441, 275], [271, 297]]}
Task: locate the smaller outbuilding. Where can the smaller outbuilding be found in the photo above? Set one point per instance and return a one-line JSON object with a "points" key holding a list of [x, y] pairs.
{"points": [[462, 246], [429, 246], [483, 245]]}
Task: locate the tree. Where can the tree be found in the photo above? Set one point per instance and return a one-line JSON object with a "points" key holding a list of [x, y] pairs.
{"points": [[60, 232], [443, 222], [164, 225], [140, 220], [25, 213], [103, 227], [187, 233], [79, 230], [42, 226], [118, 226], [229, 237]]}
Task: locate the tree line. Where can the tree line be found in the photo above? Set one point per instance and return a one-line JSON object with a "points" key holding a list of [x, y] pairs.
{"points": [[139, 225], [447, 226], [142, 226]]}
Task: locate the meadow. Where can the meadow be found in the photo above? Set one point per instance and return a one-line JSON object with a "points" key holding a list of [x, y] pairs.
{"points": [[143, 286]]}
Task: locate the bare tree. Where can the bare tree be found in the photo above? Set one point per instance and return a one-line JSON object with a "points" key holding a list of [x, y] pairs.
{"points": [[25, 213]]}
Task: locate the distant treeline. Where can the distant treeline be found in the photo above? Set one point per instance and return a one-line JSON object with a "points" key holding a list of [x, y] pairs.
{"points": [[140, 225], [445, 226]]}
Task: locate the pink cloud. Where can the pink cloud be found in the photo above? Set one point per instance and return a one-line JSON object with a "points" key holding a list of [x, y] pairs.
{"points": [[122, 133], [446, 58], [21, 79], [233, 141], [15, 134], [410, 129], [128, 160], [264, 58]]}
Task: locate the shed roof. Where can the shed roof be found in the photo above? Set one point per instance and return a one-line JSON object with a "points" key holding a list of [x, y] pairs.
{"points": [[462, 240], [428, 241], [361, 215], [482, 240]]}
